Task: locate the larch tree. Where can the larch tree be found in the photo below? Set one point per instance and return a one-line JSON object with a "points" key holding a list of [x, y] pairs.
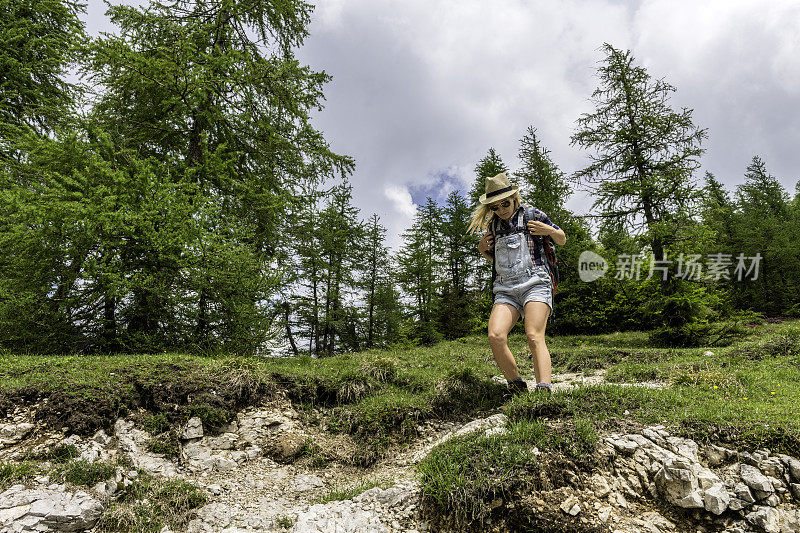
{"points": [[376, 267], [215, 88], [544, 186], [38, 42], [456, 314], [419, 268], [342, 247], [645, 153]]}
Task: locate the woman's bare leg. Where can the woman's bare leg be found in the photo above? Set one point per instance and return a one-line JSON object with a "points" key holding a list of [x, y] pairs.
{"points": [[536, 314], [502, 319]]}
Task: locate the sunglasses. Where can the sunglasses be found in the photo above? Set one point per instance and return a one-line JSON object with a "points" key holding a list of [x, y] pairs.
{"points": [[504, 204]]}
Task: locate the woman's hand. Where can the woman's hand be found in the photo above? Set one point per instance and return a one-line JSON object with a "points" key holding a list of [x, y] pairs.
{"points": [[486, 244], [540, 228]]}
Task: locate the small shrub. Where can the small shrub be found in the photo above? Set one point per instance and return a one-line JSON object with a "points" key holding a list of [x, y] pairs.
{"points": [[167, 444], [348, 492], [58, 454], [155, 424], [13, 473], [85, 473], [177, 497], [313, 451], [149, 504], [685, 336], [284, 521], [213, 417]]}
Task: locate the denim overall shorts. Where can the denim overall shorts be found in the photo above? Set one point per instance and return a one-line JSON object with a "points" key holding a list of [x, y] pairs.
{"points": [[517, 280]]}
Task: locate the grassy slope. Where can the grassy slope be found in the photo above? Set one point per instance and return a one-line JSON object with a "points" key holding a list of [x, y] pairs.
{"points": [[744, 394]]}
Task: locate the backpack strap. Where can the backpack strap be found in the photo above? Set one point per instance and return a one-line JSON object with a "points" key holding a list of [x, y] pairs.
{"points": [[549, 253], [522, 220]]}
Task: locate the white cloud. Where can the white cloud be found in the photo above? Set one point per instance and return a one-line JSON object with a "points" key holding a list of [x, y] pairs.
{"points": [[401, 200], [401, 215]]}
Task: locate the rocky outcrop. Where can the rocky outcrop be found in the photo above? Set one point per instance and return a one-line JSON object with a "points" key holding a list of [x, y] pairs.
{"points": [[491, 425], [132, 443], [647, 480], [740, 492], [14, 433], [51, 508], [373, 511]]}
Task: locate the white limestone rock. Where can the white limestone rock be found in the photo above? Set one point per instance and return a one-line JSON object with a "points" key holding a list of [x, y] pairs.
{"points": [[193, 429], [677, 482], [14, 433], [772, 467], [483, 424], [793, 465], [47, 509], [257, 425], [716, 455], [758, 482], [599, 485], [305, 482], [716, 499], [571, 506], [742, 492], [212, 517], [341, 517], [706, 478], [226, 441], [766, 519], [132, 441], [106, 489]]}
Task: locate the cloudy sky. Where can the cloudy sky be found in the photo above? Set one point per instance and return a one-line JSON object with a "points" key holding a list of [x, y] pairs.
{"points": [[423, 88]]}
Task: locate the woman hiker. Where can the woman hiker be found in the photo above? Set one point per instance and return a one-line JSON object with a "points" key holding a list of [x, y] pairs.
{"points": [[521, 284]]}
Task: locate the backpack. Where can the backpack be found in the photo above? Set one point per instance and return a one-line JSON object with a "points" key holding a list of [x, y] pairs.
{"points": [[548, 245]]}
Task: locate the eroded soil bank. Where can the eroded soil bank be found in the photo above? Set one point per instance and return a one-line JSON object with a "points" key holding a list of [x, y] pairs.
{"points": [[276, 465]]}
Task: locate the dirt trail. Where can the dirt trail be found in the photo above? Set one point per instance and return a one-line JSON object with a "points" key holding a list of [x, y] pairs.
{"points": [[263, 494], [270, 470]]}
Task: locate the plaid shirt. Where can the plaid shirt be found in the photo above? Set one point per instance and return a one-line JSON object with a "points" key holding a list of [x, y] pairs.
{"points": [[535, 244]]}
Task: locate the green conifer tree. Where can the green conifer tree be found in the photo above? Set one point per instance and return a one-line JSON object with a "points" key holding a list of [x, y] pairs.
{"points": [[419, 269]]}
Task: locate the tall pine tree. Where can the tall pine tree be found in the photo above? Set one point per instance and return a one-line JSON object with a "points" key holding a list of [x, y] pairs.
{"points": [[645, 152], [419, 269]]}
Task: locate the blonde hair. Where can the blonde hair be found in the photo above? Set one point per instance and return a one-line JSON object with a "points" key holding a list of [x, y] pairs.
{"points": [[482, 215]]}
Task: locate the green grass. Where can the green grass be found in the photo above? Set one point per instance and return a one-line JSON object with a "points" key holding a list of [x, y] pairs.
{"points": [[74, 472], [351, 490], [57, 454], [744, 395], [284, 521], [156, 423], [15, 473], [377, 396], [461, 478], [166, 443], [149, 504], [83, 473]]}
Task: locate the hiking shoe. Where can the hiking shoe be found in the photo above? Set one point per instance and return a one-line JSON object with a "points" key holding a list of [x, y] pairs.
{"points": [[517, 386], [543, 387]]}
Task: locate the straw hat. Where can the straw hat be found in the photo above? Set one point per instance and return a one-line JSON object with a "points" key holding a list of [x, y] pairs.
{"points": [[497, 188]]}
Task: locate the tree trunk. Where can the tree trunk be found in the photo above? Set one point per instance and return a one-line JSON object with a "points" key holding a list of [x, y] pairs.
{"points": [[289, 335], [110, 340]]}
